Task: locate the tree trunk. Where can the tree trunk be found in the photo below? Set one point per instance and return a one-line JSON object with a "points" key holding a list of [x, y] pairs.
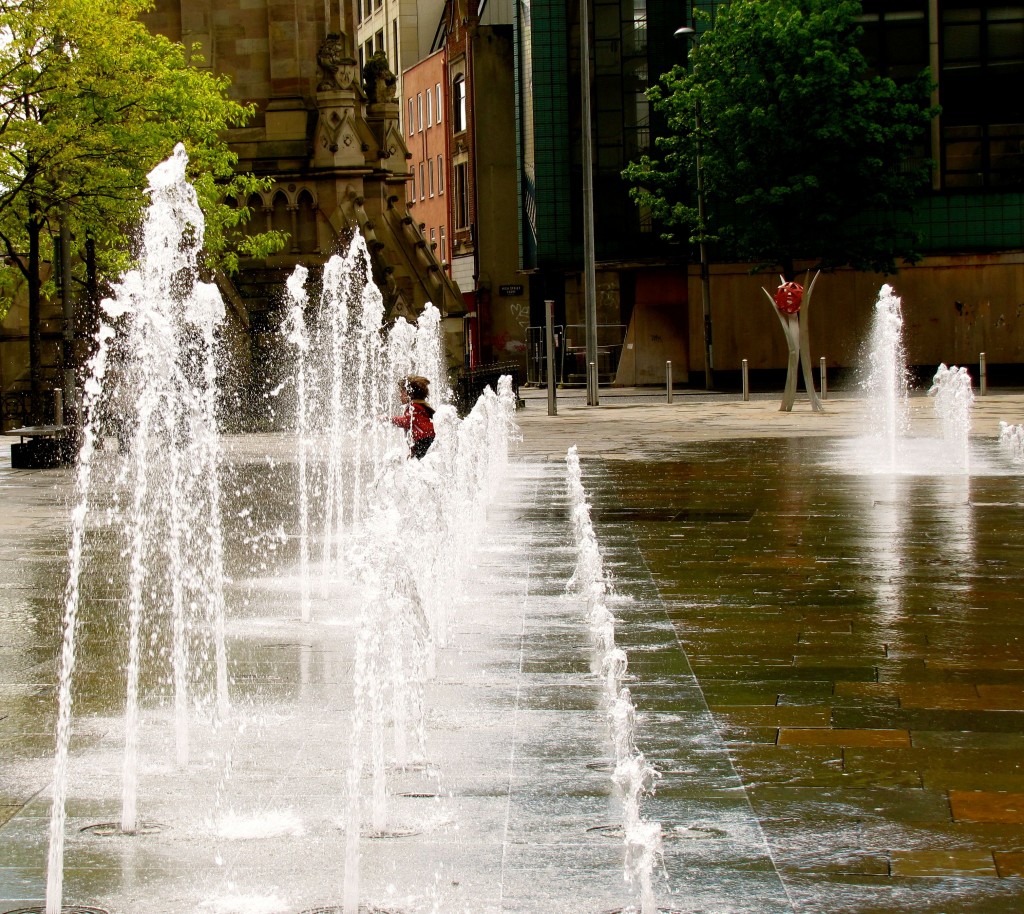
{"points": [[35, 353]]}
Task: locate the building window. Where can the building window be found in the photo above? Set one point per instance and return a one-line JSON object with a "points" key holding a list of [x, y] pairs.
{"points": [[459, 103], [377, 4], [433, 240], [423, 188], [419, 111], [430, 109], [412, 185], [379, 46], [440, 176], [461, 196], [444, 246], [367, 6], [307, 224], [369, 51], [430, 177], [412, 116], [437, 101], [981, 52], [394, 45]]}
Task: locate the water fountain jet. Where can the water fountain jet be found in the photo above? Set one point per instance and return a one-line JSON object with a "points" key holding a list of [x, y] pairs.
{"points": [[164, 321]]}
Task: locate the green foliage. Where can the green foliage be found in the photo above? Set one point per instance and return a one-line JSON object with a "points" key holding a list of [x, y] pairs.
{"points": [[804, 153], [90, 102]]}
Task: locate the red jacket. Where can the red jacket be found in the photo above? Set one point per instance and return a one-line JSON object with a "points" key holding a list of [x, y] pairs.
{"points": [[419, 415]]}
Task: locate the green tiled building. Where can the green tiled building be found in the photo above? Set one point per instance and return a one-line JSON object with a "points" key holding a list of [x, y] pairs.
{"points": [[967, 296]]}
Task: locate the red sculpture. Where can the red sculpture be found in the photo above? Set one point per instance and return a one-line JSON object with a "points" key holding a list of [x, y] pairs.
{"points": [[788, 297]]}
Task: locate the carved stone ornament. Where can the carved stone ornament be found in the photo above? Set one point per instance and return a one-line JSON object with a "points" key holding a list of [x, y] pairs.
{"points": [[336, 130], [336, 68], [380, 82]]}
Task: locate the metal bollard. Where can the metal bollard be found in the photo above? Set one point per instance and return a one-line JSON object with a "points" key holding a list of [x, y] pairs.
{"points": [[58, 407], [594, 383], [983, 373], [549, 333], [824, 379], [746, 380], [668, 381]]}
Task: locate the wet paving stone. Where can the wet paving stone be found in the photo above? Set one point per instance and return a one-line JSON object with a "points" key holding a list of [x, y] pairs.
{"points": [[987, 806], [885, 612], [827, 668]]}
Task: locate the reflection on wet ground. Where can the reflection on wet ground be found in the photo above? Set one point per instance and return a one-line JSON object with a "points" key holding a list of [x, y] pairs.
{"points": [[859, 638], [828, 666]]}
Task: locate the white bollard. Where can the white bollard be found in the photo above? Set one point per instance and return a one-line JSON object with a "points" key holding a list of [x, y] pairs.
{"points": [[824, 379]]}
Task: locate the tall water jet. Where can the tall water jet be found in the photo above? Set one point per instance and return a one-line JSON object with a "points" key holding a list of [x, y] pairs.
{"points": [[298, 337], [951, 388], [355, 392], [72, 595], [162, 323], [886, 382], [399, 554], [633, 777]]}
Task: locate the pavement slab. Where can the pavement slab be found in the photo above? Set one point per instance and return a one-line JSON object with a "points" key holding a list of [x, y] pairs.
{"points": [[826, 664]]}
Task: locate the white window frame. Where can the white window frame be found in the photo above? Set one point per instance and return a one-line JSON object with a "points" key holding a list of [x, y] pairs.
{"points": [[459, 103]]}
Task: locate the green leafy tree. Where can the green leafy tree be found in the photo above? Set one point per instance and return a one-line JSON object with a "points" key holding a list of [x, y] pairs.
{"points": [[90, 102], [804, 153]]}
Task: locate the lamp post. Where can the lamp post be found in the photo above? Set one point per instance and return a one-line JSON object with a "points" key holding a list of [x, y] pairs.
{"points": [[589, 270], [690, 34]]}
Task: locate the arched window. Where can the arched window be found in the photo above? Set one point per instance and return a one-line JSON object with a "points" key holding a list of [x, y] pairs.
{"points": [[459, 103], [280, 221], [307, 224], [258, 221]]}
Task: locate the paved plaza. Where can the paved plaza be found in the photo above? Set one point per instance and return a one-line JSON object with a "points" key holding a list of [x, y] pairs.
{"points": [[827, 662]]}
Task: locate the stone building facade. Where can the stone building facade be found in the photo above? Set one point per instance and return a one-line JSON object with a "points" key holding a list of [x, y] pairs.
{"points": [[333, 145]]}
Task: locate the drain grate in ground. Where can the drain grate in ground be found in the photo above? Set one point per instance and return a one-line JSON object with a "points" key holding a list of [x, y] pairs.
{"points": [[340, 909], [670, 515], [668, 832], [395, 832], [113, 830], [632, 910], [66, 909]]}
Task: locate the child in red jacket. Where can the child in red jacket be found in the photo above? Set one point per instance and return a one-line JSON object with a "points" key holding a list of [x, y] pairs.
{"points": [[417, 415]]}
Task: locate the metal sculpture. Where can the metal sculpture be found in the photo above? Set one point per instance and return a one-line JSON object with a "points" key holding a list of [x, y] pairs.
{"points": [[791, 303]]}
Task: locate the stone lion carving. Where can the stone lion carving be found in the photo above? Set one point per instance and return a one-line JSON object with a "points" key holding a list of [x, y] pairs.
{"points": [[334, 63], [378, 79]]}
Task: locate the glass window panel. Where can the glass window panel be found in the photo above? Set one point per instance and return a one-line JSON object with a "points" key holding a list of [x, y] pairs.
{"points": [[1006, 41], [962, 42], [1005, 12]]}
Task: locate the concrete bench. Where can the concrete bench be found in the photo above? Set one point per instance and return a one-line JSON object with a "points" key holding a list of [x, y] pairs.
{"points": [[41, 447]]}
